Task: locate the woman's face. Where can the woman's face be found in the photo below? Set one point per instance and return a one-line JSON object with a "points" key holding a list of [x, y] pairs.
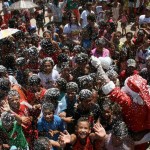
{"points": [[47, 67], [73, 19], [14, 102], [47, 35], [99, 48]]}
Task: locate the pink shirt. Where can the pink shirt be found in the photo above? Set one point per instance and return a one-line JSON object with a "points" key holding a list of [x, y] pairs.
{"points": [[105, 53]]}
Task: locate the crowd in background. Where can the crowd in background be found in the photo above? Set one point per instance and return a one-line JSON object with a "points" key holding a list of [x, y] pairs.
{"points": [[54, 91]]}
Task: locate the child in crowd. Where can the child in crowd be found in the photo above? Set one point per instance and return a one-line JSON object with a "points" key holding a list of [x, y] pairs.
{"points": [[83, 138], [124, 21], [47, 74], [50, 125], [11, 133]]}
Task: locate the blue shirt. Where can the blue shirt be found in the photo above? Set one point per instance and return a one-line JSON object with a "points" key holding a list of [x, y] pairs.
{"points": [[56, 124]]}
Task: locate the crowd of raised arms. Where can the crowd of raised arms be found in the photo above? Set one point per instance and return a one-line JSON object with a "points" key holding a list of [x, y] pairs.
{"points": [[75, 75]]}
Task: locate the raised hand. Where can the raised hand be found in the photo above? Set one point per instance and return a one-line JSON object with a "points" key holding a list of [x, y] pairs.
{"points": [[99, 131], [65, 137], [95, 61], [25, 120]]}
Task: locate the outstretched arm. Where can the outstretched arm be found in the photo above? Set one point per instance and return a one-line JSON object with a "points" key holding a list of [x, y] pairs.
{"points": [[66, 138]]}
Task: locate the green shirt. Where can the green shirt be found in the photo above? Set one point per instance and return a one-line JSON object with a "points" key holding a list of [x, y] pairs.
{"points": [[72, 5], [16, 136]]}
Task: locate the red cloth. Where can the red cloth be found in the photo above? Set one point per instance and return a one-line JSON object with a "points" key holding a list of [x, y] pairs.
{"points": [[123, 75], [136, 116], [54, 56], [20, 91], [79, 146], [31, 96], [7, 17]]}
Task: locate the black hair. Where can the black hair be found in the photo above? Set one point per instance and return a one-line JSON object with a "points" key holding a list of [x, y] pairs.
{"points": [[62, 57], [62, 84], [48, 106], [82, 119], [43, 61], [42, 143], [34, 80], [51, 96], [4, 84], [7, 118], [13, 93], [129, 33], [91, 17], [120, 129]]}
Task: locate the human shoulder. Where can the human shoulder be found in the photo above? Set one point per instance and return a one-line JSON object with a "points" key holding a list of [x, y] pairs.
{"points": [[55, 72], [57, 118]]}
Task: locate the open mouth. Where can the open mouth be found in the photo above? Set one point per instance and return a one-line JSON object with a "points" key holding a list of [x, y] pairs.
{"points": [[83, 134]]}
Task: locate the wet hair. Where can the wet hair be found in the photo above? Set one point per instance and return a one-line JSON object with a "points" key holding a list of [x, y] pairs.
{"points": [[148, 58], [62, 58], [42, 143], [47, 31], [79, 48], [12, 93], [34, 80], [88, 4], [49, 59], [10, 61], [120, 129], [100, 41], [52, 94], [141, 32], [47, 46], [21, 43], [48, 106], [72, 86], [81, 58], [129, 33], [84, 94], [83, 119], [33, 51], [85, 81], [91, 17], [65, 47], [62, 84], [4, 84], [117, 32], [20, 61], [3, 69], [7, 118]]}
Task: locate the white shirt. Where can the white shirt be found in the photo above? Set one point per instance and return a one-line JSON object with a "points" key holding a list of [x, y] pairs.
{"points": [[84, 15], [143, 20], [12, 80], [57, 12], [47, 80], [71, 28]]}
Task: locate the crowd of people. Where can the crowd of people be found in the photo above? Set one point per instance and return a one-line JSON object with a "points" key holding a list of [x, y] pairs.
{"points": [[79, 86]]}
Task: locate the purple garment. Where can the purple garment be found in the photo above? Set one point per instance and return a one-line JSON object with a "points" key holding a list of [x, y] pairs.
{"points": [[105, 53]]}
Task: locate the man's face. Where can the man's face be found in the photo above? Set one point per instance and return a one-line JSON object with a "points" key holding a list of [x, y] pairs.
{"points": [[87, 103], [71, 94], [83, 129], [117, 37]]}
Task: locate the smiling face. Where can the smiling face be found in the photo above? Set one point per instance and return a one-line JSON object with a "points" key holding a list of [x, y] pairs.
{"points": [[83, 129], [14, 102], [48, 67], [48, 115]]}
